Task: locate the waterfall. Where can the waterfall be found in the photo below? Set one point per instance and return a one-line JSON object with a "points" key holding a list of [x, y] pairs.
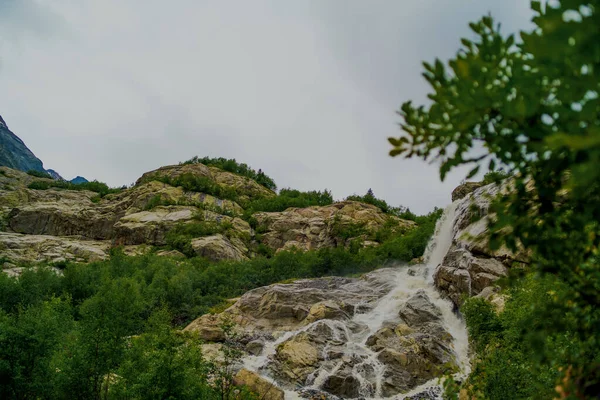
{"points": [[367, 370]]}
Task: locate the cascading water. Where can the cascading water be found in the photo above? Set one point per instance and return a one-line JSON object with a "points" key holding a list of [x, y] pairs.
{"points": [[349, 340]]}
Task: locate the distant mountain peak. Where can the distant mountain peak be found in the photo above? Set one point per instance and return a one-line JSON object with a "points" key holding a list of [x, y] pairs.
{"points": [[16, 155]]}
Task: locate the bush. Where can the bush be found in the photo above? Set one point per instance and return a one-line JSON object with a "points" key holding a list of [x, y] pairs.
{"points": [[510, 344], [180, 237], [495, 177], [231, 165], [39, 174], [290, 198], [369, 198], [99, 187]]}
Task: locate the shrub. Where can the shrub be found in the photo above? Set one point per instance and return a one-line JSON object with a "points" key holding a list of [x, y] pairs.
{"points": [[99, 187], [39, 174], [369, 198], [231, 165], [290, 198]]}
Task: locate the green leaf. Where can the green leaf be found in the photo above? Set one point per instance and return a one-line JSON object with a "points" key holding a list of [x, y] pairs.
{"points": [[473, 172]]}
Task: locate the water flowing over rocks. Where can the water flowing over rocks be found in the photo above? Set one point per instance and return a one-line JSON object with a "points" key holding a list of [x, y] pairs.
{"points": [[470, 266], [387, 334]]}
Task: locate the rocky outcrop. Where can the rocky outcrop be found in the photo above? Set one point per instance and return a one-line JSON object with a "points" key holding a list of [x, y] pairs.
{"points": [[219, 247], [317, 227], [63, 213], [20, 248], [286, 307], [263, 388], [14, 153], [151, 226], [142, 215], [145, 214], [461, 191], [246, 188], [470, 265], [415, 350], [341, 337]]}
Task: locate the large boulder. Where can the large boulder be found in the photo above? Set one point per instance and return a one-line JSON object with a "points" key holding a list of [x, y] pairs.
{"points": [[19, 248], [151, 226], [470, 265], [218, 247], [263, 388], [417, 349], [63, 213]]}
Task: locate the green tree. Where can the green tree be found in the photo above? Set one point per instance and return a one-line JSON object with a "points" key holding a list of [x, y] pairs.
{"points": [[95, 349], [28, 340], [530, 105], [163, 364]]}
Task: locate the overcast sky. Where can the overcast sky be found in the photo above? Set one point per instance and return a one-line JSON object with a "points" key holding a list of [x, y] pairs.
{"points": [[306, 90]]}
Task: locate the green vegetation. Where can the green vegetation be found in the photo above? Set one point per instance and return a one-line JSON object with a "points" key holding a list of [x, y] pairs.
{"points": [[39, 174], [369, 198], [495, 177], [290, 198], [231, 165], [508, 366], [180, 237], [105, 330], [201, 184], [533, 105], [99, 187]]}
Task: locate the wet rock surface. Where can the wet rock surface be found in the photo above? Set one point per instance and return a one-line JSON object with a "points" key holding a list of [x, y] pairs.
{"points": [[470, 265], [376, 336]]}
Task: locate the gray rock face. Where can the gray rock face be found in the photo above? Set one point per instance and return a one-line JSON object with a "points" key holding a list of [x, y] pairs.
{"points": [[464, 189], [334, 339], [14, 153], [219, 247], [317, 227], [470, 265]]}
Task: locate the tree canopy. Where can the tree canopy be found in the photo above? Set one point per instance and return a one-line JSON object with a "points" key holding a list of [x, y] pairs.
{"points": [[529, 104]]}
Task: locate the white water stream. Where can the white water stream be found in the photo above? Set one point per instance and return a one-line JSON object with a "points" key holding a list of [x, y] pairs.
{"points": [[408, 280]]}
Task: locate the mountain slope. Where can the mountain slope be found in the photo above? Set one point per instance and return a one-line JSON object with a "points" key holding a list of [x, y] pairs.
{"points": [[14, 153]]}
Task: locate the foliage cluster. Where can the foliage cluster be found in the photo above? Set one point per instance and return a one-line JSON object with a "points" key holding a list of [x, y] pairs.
{"points": [[495, 177], [512, 344], [97, 334], [200, 184], [533, 106], [287, 198], [39, 174], [369, 198], [99, 187], [231, 165]]}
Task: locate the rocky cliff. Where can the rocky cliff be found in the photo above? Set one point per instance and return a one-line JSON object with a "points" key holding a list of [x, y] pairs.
{"points": [[14, 153], [470, 268], [390, 332], [157, 212]]}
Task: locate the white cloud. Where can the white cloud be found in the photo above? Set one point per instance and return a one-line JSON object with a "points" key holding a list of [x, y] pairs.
{"points": [[307, 91]]}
